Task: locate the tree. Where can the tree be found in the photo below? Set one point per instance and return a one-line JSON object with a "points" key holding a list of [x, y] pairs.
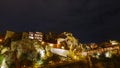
{"points": [[50, 37]]}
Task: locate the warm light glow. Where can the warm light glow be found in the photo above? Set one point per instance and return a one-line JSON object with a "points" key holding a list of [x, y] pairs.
{"points": [[42, 42], [51, 45], [107, 54], [75, 57], [1, 40], [84, 53], [62, 47]]}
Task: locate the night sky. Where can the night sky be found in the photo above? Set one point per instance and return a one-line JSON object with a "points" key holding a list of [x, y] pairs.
{"points": [[88, 20]]}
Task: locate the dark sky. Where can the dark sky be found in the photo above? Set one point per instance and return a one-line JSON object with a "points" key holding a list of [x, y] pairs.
{"points": [[89, 20]]}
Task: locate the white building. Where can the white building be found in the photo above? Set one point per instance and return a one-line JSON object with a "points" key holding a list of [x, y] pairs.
{"points": [[36, 35]]}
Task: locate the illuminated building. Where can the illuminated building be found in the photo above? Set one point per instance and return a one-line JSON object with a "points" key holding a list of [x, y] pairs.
{"points": [[114, 42], [36, 35]]}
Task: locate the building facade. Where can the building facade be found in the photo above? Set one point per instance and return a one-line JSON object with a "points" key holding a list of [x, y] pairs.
{"points": [[36, 35]]}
